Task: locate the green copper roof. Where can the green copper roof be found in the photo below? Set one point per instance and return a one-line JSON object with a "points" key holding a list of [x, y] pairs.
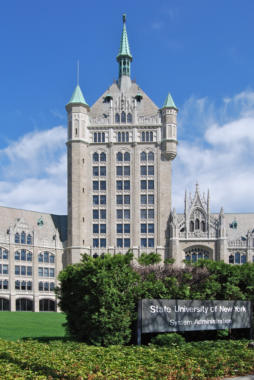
{"points": [[124, 44], [169, 102], [77, 97]]}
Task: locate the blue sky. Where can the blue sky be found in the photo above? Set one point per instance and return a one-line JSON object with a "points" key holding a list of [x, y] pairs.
{"points": [[201, 51]]}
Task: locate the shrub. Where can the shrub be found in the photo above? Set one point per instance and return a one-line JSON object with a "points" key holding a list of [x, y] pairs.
{"points": [[168, 340], [149, 258]]}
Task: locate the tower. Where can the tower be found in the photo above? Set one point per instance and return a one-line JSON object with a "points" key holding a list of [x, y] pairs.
{"points": [[119, 168]]}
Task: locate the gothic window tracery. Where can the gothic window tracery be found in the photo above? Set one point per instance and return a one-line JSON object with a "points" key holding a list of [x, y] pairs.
{"points": [[194, 254], [237, 258]]}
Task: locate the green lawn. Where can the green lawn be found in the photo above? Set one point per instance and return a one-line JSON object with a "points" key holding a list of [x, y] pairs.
{"points": [[18, 325]]}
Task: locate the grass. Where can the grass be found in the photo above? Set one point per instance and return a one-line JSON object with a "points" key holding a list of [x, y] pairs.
{"points": [[20, 325]]}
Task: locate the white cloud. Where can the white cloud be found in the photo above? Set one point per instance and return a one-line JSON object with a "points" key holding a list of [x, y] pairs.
{"points": [[218, 155]]}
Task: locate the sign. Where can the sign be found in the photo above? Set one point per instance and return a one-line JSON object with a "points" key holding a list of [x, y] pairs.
{"points": [[162, 315]]}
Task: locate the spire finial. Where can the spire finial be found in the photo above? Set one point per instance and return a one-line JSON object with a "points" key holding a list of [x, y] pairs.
{"points": [[124, 17], [77, 72]]}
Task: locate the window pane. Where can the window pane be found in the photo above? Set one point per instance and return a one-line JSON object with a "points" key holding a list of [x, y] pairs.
{"points": [[127, 228], [127, 243], [127, 185], [51, 272], [46, 286], [119, 156], [5, 269], [150, 199], [119, 214], [126, 170], [151, 213], [151, 228], [143, 228], [103, 170], [103, 243], [150, 156], [142, 170], [95, 214], [119, 242], [127, 214], [29, 271], [17, 255], [103, 157], [150, 170], [143, 213], [40, 272], [119, 199], [95, 228], [150, 242], [46, 272], [127, 199], [119, 170], [143, 242], [119, 228], [95, 243], [103, 185], [103, 214], [52, 259], [95, 170], [119, 185], [95, 185], [143, 199], [143, 156], [95, 157], [151, 184], [23, 270], [143, 185], [29, 256], [103, 228], [17, 269], [103, 199], [46, 257], [95, 199], [40, 258], [127, 156]]}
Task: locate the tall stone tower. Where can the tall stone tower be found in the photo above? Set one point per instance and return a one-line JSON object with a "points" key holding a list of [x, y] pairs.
{"points": [[119, 168]]}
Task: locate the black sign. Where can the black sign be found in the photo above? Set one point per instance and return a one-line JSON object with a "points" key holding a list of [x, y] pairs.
{"points": [[161, 315]]}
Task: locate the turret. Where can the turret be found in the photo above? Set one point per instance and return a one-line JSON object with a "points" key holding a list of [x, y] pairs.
{"points": [[124, 59], [169, 127], [78, 119]]}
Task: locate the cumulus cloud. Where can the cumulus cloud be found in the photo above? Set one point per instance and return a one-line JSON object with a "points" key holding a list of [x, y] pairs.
{"points": [[217, 152], [33, 172]]}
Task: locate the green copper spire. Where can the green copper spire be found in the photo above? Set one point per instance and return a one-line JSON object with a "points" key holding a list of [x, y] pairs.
{"points": [[77, 97], [124, 56], [169, 102]]}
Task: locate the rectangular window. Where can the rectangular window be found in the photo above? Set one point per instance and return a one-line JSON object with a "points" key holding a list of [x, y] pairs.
{"points": [[119, 228], [143, 228], [127, 185], [143, 199], [95, 214], [103, 214], [151, 228], [119, 185], [127, 199], [143, 242], [103, 199], [150, 199], [119, 243], [23, 254], [119, 170], [142, 170], [151, 213], [127, 243], [95, 228], [95, 185], [5, 269], [29, 271], [151, 242], [40, 271], [95, 199], [119, 199], [127, 214], [103, 228], [143, 213], [150, 170], [95, 243], [17, 269], [151, 184], [51, 272], [103, 185], [46, 272], [95, 171], [103, 171], [23, 270], [127, 228], [119, 214], [143, 185], [103, 243], [127, 170]]}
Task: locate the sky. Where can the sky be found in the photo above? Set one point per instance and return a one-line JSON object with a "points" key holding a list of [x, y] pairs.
{"points": [[200, 51]]}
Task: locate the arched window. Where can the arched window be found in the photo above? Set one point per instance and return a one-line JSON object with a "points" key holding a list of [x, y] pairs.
{"points": [[4, 304], [197, 224], [95, 157], [150, 156], [46, 257], [119, 156], [123, 117], [23, 237], [194, 257], [129, 118], [117, 118], [143, 156], [29, 239], [126, 156], [191, 226], [4, 254], [24, 304], [47, 305], [40, 258], [17, 238], [196, 253], [203, 226], [103, 156], [17, 255]]}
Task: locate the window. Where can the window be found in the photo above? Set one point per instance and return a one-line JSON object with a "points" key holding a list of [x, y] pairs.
{"points": [[95, 228], [151, 228], [143, 242], [119, 199], [143, 156], [95, 157], [17, 238], [46, 257], [119, 185], [143, 170], [119, 170], [150, 199], [103, 171], [127, 185], [23, 255], [3, 254], [99, 137], [197, 224], [95, 243], [103, 157], [103, 243], [3, 284], [123, 117], [103, 199], [119, 228], [143, 199], [151, 242], [147, 136], [119, 243], [150, 156], [95, 171], [103, 214], [95, 214], [195, 253], [46, 272], [143, 228], [126, 170], [127, 214], [150, 170], [203, 226], [46, 286], [23, 237], [143, 213], [127, 199], [143, 184], [103, 228], [150, 184], [95, 199], [129, 118], [29, 239], [95, 185], [126, 228], [123, 137], [23, 270], [3, 269], [119, 156], [238, 258], [117, 118], [119, 214], [103, 185], [191, 226], [127, 156], [150, 213]]}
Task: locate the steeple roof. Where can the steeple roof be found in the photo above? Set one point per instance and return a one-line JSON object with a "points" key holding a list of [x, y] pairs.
{"points": [[77, 97], [169, 102], [124, 50]]}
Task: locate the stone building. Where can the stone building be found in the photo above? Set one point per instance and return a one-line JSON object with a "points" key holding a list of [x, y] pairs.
{"points": [[119, 152]]}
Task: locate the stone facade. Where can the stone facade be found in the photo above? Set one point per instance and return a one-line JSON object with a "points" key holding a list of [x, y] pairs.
{"points": [[120, 153]]}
